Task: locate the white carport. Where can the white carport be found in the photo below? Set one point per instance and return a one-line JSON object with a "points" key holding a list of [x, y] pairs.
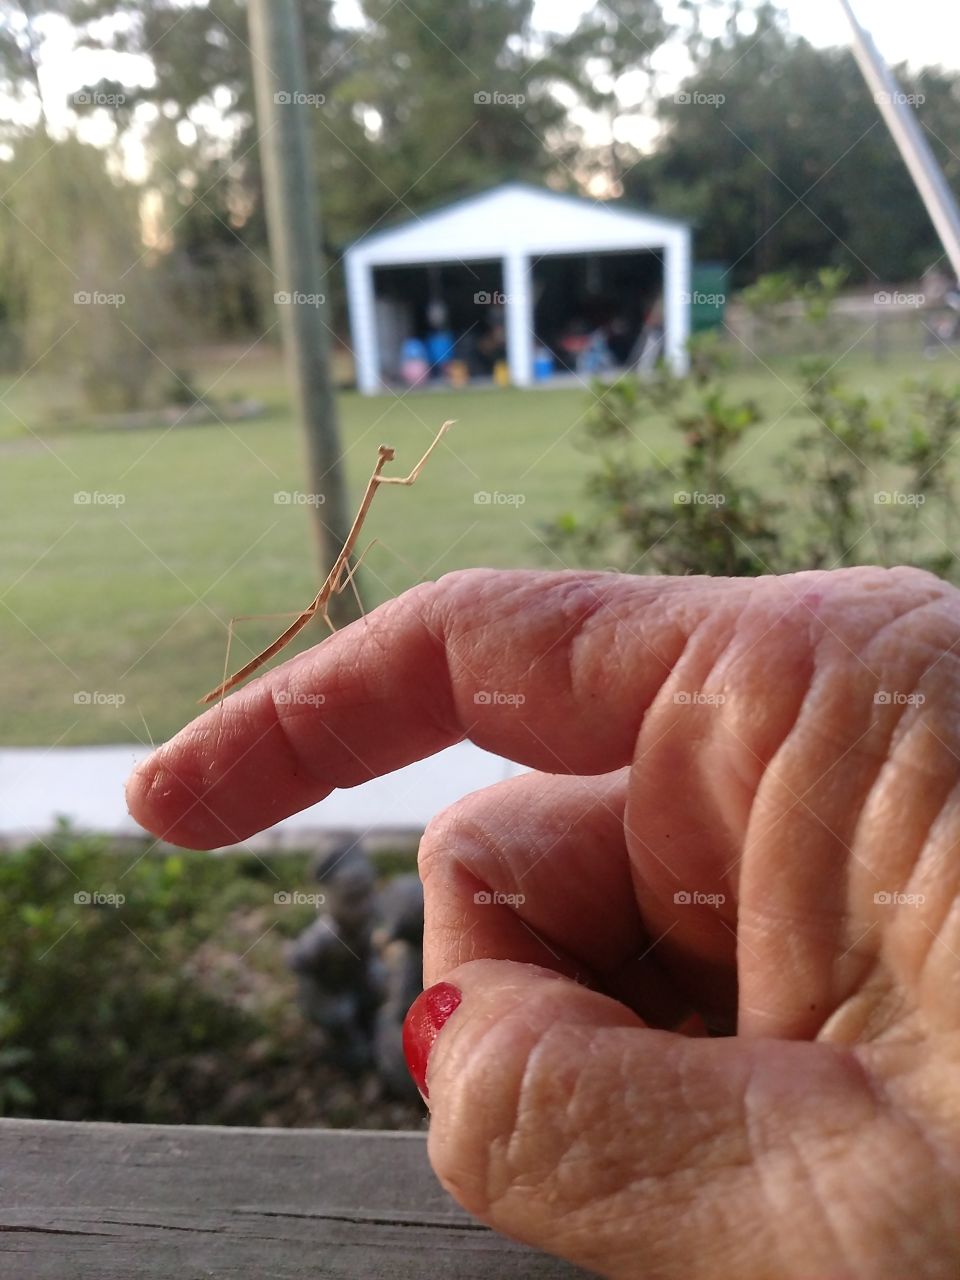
{"points": [[516, 226]]}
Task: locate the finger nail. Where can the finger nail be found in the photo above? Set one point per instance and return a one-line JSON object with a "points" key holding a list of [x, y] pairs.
{"points": [[423, 1023]]}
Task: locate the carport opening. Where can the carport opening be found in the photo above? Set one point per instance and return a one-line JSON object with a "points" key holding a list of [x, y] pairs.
{"points": [[440, 320], [597, 311]]}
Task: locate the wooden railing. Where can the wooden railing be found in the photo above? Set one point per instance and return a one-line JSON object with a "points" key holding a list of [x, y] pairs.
{"points": [[121, 1202]]}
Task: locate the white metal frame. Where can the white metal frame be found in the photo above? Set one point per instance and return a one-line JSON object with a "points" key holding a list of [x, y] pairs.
{"points": [[902, 122]]}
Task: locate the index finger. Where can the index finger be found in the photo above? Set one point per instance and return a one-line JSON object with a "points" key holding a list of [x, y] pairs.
{"points": [[553, 670]]}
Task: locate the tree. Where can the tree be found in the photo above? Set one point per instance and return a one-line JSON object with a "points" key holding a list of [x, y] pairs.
{"points": [[601, 63], [776, 151], [440, 101], [84, 295], [202, 143], [392, 134]]}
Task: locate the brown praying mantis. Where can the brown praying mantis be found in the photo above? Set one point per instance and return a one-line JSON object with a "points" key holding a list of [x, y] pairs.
{"points": [[340, 575]]}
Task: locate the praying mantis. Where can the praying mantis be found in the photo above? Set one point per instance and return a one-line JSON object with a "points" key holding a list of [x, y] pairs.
{"points": [[340, 575]]}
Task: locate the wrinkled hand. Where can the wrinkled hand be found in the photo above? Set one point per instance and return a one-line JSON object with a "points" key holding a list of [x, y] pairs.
{"points": [[758, 822]]}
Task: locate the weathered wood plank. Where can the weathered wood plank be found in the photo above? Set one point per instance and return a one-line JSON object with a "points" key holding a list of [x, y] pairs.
{"points": [[112, 1202]]}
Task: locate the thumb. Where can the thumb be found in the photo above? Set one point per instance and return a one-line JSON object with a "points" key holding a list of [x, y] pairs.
{"points": [[558, 1118]]}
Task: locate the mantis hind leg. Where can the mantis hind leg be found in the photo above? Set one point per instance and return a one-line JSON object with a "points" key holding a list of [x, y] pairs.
{"points": [[224, 687], [348, 578]]}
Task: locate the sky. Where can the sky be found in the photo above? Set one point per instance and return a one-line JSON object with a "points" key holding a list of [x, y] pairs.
{"points": [[920, 36], [925, 34], [922, 39]]}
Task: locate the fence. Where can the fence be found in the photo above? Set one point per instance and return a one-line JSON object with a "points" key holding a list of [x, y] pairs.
{"points": [[108, 1202]]}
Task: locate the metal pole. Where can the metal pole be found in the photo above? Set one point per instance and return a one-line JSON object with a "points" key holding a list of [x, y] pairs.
{"points": [[285, 104], [902, 122]]}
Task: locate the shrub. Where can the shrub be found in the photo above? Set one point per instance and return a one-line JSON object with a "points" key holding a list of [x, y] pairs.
{"points": [[867, 481], [173, 1006]]}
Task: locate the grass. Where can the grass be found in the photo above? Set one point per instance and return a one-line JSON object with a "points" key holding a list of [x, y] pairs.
{"points": [[130, 601]]}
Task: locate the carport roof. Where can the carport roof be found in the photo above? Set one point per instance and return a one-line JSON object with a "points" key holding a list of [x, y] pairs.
{"points": [[516, 218]]}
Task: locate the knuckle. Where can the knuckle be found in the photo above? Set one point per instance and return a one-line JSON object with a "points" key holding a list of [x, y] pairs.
{"points": [[480, 1152], [459, 827], [518, 1095]]}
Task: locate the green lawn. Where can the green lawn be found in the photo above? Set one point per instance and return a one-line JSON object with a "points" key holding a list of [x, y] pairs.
{"points": [[132, 599]]}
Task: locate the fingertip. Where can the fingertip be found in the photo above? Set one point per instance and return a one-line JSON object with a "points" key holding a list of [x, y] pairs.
{"points": [[137, 791], [166, 806], [425, 1020]]}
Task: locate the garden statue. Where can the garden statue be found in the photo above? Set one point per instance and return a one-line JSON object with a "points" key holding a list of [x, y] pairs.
{"points": [[359, 964], [333, 958]]}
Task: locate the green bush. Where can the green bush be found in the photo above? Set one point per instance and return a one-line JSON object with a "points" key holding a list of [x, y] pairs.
{"points": [[687, 514], [173, 1005], [868, 481]]}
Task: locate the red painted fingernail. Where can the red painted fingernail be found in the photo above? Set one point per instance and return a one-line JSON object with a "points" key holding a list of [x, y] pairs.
{"points": [[422, 1025]]}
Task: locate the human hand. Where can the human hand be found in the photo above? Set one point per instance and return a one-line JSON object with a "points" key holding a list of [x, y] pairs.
{"points": [[758, 822]]}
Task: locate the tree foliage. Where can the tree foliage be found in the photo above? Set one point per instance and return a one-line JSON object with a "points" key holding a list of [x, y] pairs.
{"points": [[82, 294], [867, 481], [777, 152], [774, 149]]}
